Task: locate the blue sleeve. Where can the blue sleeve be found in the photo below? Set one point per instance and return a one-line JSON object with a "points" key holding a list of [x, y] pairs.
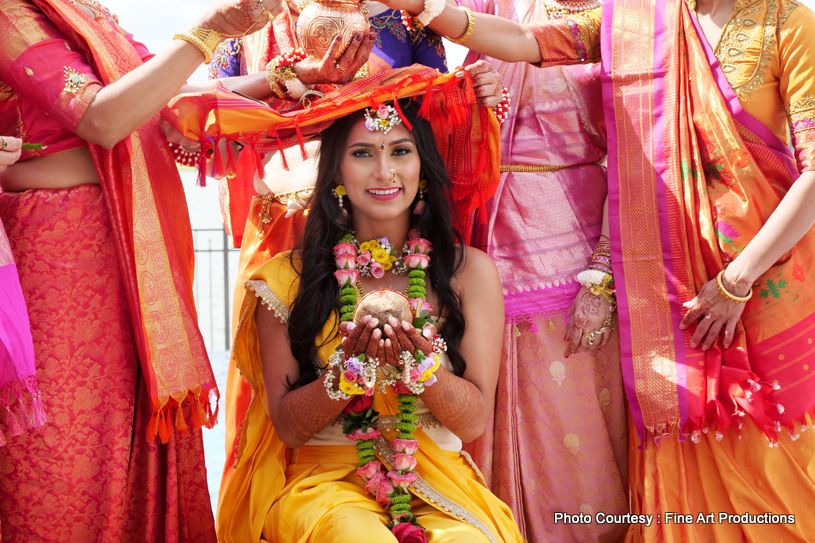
{"points": [[226, 60], [428, 50]]}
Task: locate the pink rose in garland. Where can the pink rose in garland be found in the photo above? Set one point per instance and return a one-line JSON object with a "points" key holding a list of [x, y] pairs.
{"points": [[404, 462], [346, 277], [345, 249], [346, 260], [377, 270], [370, 470], [405, 532], [402, 480], [419, 245], [364, 258], [383, 493], [359, 433], [419, 261], [419, 306], [407, 446], [372, 486]]}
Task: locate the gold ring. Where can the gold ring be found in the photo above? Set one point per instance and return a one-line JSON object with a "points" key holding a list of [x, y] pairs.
{"points": [[341, 68], [5, 143], [590, 338]]}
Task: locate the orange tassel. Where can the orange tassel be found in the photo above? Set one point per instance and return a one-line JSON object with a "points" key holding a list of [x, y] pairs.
{"points": [[300, 140], [401, 115], [164, 430], [180, 423], [212, 417], [197, 413], [280, 150]]}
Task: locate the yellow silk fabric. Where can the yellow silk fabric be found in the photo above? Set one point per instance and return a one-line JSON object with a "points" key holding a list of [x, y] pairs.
{"points": [[311, 494]]}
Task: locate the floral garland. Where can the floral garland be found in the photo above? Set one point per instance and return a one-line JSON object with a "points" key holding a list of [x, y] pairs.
{"points": [[358, 378]]}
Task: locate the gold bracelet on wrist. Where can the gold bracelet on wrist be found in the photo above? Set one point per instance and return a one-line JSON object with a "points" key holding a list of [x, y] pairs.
{"points": [[727, 295], [204, 39], [271, 79], [470, 27]]}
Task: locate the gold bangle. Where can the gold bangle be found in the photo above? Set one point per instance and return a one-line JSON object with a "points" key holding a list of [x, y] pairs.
{"points": [[727, 295], [271, 79], [211, 38], [470, 27], [190, 38]]}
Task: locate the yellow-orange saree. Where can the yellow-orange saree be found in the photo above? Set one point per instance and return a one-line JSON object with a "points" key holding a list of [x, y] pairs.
{"points": [[311, 494]]}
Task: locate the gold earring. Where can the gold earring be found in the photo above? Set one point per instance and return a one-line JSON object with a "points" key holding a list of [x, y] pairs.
{"points": [[393, 176]]}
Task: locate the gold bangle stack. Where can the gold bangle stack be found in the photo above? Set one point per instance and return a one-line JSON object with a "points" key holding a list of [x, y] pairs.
{"points": [[204, 39], [727, 295], [470, 27], [271, 79]]}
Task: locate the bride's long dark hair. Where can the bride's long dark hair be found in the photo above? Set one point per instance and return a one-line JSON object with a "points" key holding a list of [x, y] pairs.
{"points": [[317, 296]]}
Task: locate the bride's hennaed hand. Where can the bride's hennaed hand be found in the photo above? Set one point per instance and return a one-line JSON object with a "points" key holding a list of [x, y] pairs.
{"points": [[232, 18], [360, 336], [422, 342], [712, 313], [588, 314]]}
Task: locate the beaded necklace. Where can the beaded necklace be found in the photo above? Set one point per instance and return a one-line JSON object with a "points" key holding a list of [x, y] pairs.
{"points": [[559, 10]]}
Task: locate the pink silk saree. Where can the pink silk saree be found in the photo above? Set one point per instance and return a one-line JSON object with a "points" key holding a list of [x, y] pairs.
{"points": [[692, 178], [557, 440]]}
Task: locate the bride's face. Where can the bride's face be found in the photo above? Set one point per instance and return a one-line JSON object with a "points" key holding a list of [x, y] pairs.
{"points": [[380, 171]]}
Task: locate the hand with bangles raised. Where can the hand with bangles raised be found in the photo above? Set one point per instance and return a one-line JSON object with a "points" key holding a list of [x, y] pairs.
{"points": [[233, 18], [10, 149], [333, 70], [486, 83]]}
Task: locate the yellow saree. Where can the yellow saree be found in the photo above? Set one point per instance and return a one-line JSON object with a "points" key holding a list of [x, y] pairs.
{"points": [[312, 494]]}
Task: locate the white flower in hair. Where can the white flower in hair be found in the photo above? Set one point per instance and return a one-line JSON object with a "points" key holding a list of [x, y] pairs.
{"points": [[382, 118]]}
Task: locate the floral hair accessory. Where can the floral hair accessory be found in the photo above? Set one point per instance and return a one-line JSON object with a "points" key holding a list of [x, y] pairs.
{"points": [[382, 118]]}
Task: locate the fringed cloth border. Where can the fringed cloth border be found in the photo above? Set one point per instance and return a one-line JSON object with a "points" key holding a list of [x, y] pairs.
{"points": [[14, 396], [202, 415]]}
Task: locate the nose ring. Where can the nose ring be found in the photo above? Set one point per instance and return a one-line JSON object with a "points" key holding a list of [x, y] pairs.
{"points": [[393, 176]]}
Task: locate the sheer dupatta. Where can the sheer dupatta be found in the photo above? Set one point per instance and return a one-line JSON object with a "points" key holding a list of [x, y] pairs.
{"points": [[692, 179]]}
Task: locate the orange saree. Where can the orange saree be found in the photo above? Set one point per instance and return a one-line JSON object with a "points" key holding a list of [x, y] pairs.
{"points": [[692, 178]]}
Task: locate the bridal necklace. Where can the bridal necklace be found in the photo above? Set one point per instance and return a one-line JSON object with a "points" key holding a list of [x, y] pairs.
{"points": [[561, 9]]}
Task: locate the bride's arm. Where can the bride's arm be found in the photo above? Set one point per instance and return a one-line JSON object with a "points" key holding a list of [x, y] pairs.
{"points": [[464, 404], [297, 414]]}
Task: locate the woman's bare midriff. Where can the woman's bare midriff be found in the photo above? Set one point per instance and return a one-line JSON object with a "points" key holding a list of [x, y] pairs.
{"points": [[58, 171], [300, 175]]}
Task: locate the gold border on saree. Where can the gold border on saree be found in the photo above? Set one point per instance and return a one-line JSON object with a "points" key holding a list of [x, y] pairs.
{"points": [[264, 217], [533, 168]]}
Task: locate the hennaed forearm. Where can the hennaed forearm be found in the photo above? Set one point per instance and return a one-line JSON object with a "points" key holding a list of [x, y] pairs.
{"points": [[458, 404], [305, 411]]}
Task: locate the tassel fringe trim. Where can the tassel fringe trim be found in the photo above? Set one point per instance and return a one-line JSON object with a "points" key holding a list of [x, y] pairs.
{"points": [[14, 397], [193, 411]]}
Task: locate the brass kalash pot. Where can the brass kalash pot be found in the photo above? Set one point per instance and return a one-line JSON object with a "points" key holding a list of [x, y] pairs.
{"points": [[321, 20]]}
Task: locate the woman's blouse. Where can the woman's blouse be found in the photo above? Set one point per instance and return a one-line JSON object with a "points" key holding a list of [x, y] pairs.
{"points": [[766, 51], [46, 81], [395, 47]]}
